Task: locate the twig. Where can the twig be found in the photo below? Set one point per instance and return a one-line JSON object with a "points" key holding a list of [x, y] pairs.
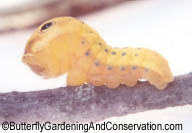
{"points": [[88, 103]]}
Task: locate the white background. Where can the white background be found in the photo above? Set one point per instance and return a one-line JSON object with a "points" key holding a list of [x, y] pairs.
{"points": [[162, 25]]}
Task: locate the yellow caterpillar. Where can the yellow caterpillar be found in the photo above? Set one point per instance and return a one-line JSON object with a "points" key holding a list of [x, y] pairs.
{"points": [[67, 45]]}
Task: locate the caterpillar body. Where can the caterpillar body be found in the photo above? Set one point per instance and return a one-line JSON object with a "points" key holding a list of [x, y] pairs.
{"points": [[67, 45]]}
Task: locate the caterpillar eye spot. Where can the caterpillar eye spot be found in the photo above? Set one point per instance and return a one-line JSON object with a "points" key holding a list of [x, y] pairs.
{"points": [[97, 63], [46, 26], [134, 67], [123, 54], [122, 68], [113, 53], [87, 53], [109, 68], [106, 50]]}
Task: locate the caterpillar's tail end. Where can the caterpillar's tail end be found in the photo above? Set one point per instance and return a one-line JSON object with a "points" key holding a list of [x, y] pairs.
{"points": [[164, 85]]}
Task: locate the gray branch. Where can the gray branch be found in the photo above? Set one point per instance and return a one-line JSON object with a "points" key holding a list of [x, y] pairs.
{"points": [[88, 103]]}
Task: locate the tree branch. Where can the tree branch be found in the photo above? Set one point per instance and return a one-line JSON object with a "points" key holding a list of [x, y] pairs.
{"points": [[88, 103]]}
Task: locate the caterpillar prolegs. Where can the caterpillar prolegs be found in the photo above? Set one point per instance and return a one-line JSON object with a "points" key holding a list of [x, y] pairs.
{"points": [[67, 45]]}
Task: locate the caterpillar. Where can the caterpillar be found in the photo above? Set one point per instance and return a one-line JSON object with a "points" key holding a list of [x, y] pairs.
{"points": [[67, 45]]}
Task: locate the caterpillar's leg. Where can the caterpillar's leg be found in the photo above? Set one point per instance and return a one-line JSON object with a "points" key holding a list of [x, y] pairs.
{"points": [[158, 84], [111, 81], [112, 84], [76, 77], [96, 80], [129, 80], [155, 79]]}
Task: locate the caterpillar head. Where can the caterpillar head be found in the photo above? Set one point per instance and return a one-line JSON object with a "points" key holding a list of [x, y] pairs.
{"points": [[48, 50]]}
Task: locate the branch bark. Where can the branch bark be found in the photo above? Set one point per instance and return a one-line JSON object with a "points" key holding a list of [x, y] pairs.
{"points": [[88, 103]]}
